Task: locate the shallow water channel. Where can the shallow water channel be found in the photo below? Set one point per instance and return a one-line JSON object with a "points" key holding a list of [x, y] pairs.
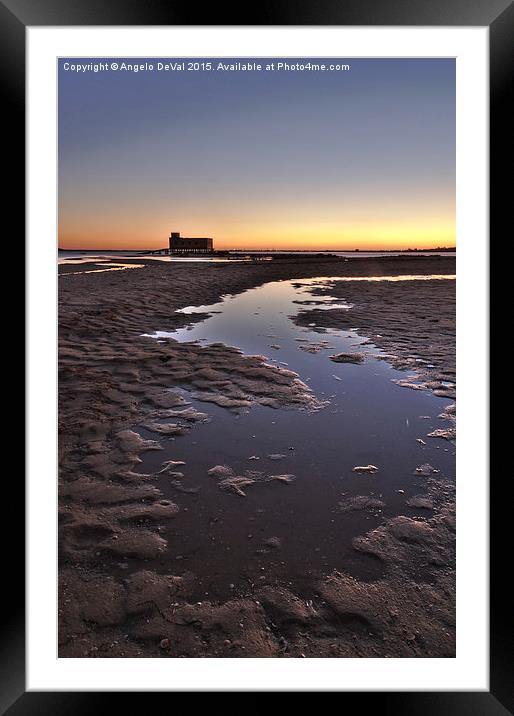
{"points": [[223, 538]]}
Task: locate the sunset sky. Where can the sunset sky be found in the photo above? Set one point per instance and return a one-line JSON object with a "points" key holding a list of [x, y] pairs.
{"points": [[294, 160]]}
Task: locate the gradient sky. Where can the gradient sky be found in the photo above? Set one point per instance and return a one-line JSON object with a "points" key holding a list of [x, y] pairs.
{"points": [[309, 160]]}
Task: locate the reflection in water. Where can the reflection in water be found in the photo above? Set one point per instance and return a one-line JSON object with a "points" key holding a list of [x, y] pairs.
{"points": [[112, 267], [404, 277], [368, 420], [96, 258], [74, 256]]}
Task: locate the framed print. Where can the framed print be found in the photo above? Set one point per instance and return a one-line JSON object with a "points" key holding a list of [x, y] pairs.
{"points": [[271, 237]]}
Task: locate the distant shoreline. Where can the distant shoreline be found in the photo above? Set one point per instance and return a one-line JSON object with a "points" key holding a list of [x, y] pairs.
{"points": [[444, 249]]}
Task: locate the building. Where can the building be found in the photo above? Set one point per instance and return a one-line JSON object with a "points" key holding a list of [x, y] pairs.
{"points": [[182, 245]]}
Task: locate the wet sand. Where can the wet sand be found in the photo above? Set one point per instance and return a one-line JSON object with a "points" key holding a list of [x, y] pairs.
{"points": [[113, 378], [413, 322]]}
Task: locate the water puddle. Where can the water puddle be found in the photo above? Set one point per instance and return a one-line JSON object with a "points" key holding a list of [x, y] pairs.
{"points": [[112, 267], [295, 533], [379, 279], [96, 259]]}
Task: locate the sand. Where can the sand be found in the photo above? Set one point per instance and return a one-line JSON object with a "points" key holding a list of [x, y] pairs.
{"points": [[112, 378], [413, 322]]}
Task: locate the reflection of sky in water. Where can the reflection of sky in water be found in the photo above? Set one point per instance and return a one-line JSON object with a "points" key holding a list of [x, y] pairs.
{"points": [[111, 267], [380, 279], [86, 258], [257, 322], [369, 420], [78, 257]]}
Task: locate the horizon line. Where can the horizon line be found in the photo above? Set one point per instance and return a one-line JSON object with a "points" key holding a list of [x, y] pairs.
{"points": [[357, 250]]}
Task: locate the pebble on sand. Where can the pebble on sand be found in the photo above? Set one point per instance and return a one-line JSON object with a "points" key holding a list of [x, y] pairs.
{"points": [[286, 479], [348, 357]]}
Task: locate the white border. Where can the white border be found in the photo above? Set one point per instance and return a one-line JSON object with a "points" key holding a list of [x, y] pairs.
{"points": [[469, 670]]}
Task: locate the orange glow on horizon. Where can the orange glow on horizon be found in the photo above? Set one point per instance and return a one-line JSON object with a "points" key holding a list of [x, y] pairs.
{"points": [[363, 236], [269, 161]]}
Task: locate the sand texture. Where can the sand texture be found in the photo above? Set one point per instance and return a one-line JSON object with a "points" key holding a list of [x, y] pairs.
{"points": [[115, 600]]}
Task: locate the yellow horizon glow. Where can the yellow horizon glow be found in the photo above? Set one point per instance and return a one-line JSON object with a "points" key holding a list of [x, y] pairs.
{"points": [[364, 236]]}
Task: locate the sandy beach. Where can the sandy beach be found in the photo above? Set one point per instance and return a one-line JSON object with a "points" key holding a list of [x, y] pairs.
{"points": [[128, 401]]}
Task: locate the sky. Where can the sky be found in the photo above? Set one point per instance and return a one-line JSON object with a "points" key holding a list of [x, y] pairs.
{"points": [[289, 159]]}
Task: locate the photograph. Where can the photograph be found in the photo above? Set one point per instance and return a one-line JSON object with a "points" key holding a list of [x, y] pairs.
{"points": [[258, 246], [256, 357]]}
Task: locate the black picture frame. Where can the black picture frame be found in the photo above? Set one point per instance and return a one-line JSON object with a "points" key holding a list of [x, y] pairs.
{"points": [[498, 15]]}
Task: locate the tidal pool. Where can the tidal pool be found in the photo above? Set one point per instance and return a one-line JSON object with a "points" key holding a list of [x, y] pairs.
{"points": [[225, 539]]}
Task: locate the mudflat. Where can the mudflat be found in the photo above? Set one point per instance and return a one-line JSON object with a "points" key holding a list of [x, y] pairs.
{"points": [[123, 395]]}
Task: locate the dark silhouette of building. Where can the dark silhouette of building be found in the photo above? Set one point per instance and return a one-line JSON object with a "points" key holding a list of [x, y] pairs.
{"points": [[183, 245]]}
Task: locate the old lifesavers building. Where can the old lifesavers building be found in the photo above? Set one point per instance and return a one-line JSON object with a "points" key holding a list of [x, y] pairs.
{"points": [[182, 245]]}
